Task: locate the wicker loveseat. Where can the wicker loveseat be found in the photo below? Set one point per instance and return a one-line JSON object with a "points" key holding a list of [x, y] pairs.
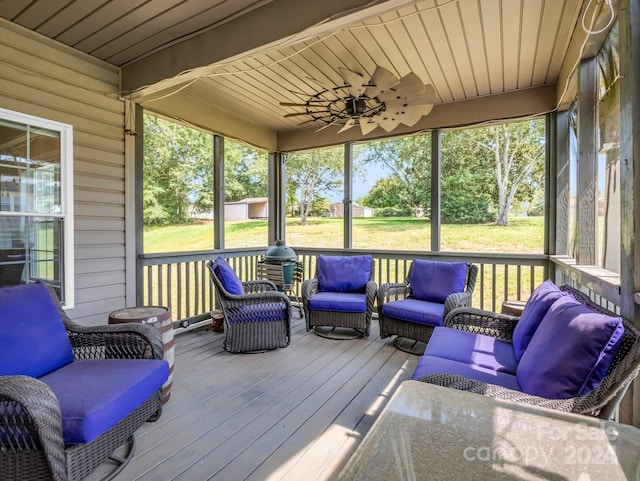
{"points": [[70, 395], [568, 353]]}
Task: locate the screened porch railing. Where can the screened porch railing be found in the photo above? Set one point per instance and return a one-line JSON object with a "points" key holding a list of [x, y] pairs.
{"points": [[181, 281]]}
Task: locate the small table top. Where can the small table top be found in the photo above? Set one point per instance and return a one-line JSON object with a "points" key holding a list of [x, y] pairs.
{"points": [[429, 432]]}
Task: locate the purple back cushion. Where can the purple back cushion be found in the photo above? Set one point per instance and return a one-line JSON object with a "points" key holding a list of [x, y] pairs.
{"points": [[434, 281], [570, 352], [33, 339], [343, 274], [227, 277], [534, 310]]}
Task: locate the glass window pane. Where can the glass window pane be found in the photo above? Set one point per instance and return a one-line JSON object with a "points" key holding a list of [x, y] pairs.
{"points": [[392, 194], [314, 183], [608, 235], [29, 169], [246, 191], [493, 188]]}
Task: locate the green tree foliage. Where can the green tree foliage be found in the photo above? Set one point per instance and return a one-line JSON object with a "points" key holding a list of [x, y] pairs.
{"points": [[312, 174], [246, 172], [177, 168]]}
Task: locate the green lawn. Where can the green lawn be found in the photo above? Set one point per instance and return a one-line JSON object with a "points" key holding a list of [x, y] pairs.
{"points": [[524, 235]]}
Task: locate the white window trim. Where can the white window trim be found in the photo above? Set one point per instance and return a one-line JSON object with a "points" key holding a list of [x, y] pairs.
{"points": [[66, 176]]}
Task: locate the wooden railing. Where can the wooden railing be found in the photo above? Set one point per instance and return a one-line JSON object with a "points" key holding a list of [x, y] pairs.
{"points": [[181, 280]]}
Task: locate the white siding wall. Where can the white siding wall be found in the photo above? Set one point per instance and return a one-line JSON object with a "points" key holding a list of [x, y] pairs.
{"points": [[43, 78]]}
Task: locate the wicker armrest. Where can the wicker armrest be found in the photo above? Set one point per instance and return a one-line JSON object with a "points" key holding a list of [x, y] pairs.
{"points": [[489, 323], [310, 288], [462, 383], [457, 299], [259, 286], [31, 420], [392, 291]]}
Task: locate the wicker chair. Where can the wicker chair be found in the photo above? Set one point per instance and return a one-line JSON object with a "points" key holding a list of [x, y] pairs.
{"points": [[257, 320], [600, 402], [31, 432], [359, 318], [390, 325]]}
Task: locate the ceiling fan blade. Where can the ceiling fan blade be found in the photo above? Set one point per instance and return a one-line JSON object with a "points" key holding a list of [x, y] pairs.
{"points": [[296, 114], [306, 122], [354, 80], [409, 86], [396, 107], [350, 123], [382, 80], [389, 123], [291, 104], [367, 126], [328, 125]]}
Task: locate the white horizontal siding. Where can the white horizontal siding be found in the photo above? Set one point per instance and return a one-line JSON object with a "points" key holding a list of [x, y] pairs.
{"points": [[44, 78]]}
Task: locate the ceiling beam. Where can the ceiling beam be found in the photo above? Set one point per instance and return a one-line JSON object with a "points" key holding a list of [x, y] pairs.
{"points": [[268, 25]]}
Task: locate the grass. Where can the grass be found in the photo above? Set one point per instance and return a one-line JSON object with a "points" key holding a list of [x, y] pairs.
{"points": [[523, 235]]}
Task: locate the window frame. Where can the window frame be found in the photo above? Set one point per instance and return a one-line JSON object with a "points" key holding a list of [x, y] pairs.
{"points": [[66, 196]]}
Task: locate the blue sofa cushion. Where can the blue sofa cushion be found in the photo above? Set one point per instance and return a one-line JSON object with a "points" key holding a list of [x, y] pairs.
{"points": [[413, 310], [33, 339], [474, 349], [570, 352], [534, 310], [435, 281], [95, 395], [343, 274], [434, 365], [338, 302], [227, 277], [262, 312]]}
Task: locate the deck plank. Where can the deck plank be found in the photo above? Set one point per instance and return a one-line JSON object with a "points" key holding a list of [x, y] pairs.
{"points": [[293, 413]]}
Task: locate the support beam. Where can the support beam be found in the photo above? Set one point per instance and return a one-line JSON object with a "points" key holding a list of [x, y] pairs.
{"points": [[560, 126], [218, 192], [348, 195], [587, 195], [277, 201], [550, 192], [436, 187], [139, 207]]}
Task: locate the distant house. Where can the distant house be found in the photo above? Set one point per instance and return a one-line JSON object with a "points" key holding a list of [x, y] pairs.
{"points": [[337, 210], [242, 210]]}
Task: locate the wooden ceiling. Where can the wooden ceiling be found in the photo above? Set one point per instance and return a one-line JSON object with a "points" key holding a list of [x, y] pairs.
{"points": [[466, 49]]}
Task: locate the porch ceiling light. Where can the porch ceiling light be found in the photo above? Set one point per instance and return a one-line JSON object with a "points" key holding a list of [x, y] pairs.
{"points": [[384, 101]]}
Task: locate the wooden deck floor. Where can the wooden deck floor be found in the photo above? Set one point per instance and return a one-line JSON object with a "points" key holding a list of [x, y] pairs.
{"points": [[292, 414]]}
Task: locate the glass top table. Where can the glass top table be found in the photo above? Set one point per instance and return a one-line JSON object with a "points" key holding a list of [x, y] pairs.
{"points": [[429, 432]]}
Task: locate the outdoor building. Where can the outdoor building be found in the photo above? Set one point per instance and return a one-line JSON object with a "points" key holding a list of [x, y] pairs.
{"points": [[313, 96]]}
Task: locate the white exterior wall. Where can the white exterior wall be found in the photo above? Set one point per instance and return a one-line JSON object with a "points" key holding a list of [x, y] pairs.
{"points": [[43, 78]]}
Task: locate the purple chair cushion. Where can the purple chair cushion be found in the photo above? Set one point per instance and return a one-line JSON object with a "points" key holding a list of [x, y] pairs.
{"points": [[95, 395], [413, 310], [435, 281], [338, 302], [343, 274], [227, 277], [33, 339], [434, 365], [570, 352], [534, 310], [474, 349]]}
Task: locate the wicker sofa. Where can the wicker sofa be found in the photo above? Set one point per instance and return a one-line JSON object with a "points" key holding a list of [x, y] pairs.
{"points": [[70, 395], [565, 352]]}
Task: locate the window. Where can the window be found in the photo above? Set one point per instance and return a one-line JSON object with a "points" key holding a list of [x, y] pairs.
{"points": [[573, 180], [608, 202], [36, 202]]}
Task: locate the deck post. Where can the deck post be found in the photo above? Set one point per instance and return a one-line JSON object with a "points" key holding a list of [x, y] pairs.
{"points": [[436, 188], [218, 192], [139, 206], [560, 126], [277, 200], [348, 195]]}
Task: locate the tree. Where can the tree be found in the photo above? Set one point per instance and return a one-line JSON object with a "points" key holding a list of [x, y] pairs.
{"points": [[246, 172], [310, 174], [387, 192]]}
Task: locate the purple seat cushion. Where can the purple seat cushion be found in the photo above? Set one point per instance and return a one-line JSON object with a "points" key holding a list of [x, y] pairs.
{"points": [[268, 311], [475, 349], [343, 274], [338, 302], [33, 339], [534, 310], [570, 352], [413, 310], [227, 277], [435, 281], [434, 365], [95, 395]]}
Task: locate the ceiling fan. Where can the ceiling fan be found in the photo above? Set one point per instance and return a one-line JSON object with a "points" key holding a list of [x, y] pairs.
{"points": [[384, 101]]}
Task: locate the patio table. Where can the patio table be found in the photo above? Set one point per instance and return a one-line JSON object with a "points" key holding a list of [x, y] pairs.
{"points": [[429, 432]]}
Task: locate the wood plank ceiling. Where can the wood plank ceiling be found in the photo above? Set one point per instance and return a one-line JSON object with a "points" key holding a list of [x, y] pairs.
{"points": [[464, 48]]}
